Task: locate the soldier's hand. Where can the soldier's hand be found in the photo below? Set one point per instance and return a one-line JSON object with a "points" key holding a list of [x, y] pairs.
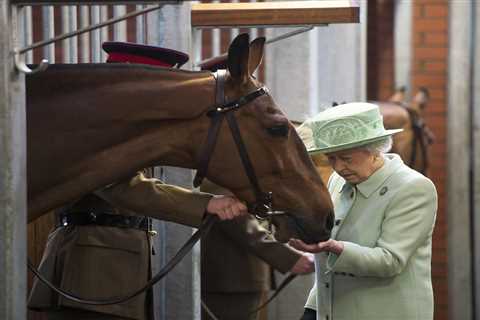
{"points": [[304, 265], [226, 207]]}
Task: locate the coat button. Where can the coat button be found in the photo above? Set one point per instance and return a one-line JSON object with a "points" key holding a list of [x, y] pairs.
{"points": [[152, 233], [327, 285], [383, 190], [337, 222]]}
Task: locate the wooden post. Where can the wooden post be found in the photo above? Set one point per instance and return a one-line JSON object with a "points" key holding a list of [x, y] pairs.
{"points": [[12, 176]]}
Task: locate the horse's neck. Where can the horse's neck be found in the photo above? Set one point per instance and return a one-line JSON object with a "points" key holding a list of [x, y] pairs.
{"points": [[110, 120], [138, 103], [141, 93]]}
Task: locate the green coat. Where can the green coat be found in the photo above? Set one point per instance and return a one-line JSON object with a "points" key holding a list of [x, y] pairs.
{"points": [[384, 271], [96, 262]]}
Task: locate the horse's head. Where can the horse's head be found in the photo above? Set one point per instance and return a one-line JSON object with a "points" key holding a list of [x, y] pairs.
{"points": [[278, 156], [413, 142]]}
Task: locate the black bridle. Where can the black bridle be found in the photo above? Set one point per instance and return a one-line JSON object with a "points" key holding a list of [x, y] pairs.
{"points": [[262, 208]]}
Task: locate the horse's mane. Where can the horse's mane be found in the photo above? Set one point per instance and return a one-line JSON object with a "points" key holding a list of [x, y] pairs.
{"points": [[122, 79], [118, 66]]}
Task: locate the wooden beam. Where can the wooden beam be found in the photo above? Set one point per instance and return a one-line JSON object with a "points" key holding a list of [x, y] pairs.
{"points": [[92, 2], [274, 13]]}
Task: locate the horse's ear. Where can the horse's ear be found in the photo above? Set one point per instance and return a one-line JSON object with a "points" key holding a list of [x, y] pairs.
{"points": [[238, 58], [399, 95], [256, 54], [420, 100]]}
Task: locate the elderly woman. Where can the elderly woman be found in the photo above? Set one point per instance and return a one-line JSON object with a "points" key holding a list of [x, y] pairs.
{"points": [[377, 264]]}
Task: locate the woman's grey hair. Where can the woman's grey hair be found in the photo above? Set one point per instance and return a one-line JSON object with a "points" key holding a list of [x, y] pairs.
{"points": [[380, 147]]}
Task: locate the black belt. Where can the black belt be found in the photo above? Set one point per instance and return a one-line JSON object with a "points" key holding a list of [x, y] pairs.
{"points": [[103, 219]]}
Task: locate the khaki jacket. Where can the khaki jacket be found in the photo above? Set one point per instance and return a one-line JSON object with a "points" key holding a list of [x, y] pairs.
{"points": [[384, 271], [238, 255], [97, 262]]}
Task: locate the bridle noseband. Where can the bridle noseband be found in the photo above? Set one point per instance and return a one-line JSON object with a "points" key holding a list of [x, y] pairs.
{"points": [[262, 207]]}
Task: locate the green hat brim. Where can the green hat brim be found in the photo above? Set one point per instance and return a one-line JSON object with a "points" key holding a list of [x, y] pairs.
{"points": [[354, 144]]}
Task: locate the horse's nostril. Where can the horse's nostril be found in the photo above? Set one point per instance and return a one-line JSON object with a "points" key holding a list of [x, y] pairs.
{"points": [[329, 222]]}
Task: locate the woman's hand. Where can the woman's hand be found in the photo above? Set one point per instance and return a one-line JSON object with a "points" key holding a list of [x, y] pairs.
{"points": [[330, 245]]}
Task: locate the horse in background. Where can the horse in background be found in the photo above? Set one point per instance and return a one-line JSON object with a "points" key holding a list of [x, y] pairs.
{"points": [[412, 144], [106, 121]]}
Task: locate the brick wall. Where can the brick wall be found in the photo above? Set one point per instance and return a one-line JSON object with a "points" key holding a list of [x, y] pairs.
{"points": [[429, 69]]}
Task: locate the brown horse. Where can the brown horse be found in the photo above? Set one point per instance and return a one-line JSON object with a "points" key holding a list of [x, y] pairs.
{"points": [[94, 124], [412, 144]]}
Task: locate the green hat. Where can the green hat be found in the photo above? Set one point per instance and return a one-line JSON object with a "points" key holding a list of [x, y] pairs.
{"points": [[345, 126]]}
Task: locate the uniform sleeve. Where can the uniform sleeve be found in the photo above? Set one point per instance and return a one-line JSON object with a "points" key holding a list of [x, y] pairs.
{"points": [[408, 223], [152, 197], [312, 298], [247, 232]]}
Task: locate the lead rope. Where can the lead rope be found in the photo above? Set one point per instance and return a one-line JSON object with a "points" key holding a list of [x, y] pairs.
{"points": [[207, 310]]}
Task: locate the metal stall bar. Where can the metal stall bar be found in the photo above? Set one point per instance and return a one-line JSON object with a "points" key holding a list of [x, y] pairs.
{"points": [[73, 41], [216, 40], [88, 29], [65, 22], [95, 39], [234, 32], [27, 32], [84, 38], [103, 33], [140, 26], [48, 32], [13, 189], [119, 29]]}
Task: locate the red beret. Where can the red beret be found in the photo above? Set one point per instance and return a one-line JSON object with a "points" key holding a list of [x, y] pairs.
{"points": [[144, 54], [215, 63]]}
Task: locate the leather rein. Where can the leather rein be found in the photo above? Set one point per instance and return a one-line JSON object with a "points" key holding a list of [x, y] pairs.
{"points": [[262, 208], [422, 137]]}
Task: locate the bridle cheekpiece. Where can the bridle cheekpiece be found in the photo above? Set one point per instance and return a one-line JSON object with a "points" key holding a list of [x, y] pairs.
{"points": [[262, 207]]}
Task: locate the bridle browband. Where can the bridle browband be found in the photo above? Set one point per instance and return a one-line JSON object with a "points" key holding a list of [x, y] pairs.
{"points": [[262, 207]]}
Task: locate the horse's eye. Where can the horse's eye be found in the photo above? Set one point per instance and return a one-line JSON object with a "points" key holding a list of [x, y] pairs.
{"points": [[278, 131]]}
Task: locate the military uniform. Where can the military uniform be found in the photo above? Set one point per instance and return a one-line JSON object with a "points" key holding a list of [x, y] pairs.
{"points": [[100, 261], [101, 247]]}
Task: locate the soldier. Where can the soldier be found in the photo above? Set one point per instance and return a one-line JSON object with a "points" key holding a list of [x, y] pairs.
{"points": [[101, 246]]}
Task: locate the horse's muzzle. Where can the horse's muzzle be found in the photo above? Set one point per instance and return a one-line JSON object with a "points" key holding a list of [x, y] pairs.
{"points": [[305, 231]]}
